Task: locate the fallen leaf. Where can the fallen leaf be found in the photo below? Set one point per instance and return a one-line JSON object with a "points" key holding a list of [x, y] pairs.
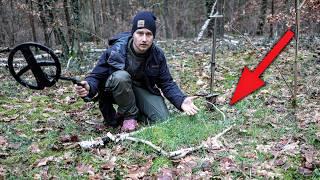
{"points": [[36, 176], [221, 99], [43, 162], [227, 165], [42, 130], [183, 170], [318, 135], [206, 165], [213, 143], [250, 155], [305, 171], [3, 155], [200, 82], [263, 148], [268, 174], [70, 100], [2, 172], [202, 175], [14, 145], [309, 156], [118, 149], [67, 157], [136, 172], [280, 161], [165, 174], [3, 142], [8, 119], [291, 149], [96, 177], [83, 169], [34, 148], [69, 138], [163, 177], [109, 166]]}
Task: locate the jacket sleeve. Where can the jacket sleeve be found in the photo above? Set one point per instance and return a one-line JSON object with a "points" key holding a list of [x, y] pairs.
{"points": [[169, 88], [97, 78]]}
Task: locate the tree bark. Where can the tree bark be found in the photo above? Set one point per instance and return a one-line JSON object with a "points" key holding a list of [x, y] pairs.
{"points": [[295, 65], [75, 47], [86, 20], [262, 17], [220, 21], [2, 25], [12, 37], [164, 16], [96, 29], [68, 20], [59, 36], [44, 23], [31, 20], [271, 24]]}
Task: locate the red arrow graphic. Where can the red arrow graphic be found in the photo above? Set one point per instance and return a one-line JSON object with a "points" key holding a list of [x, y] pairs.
{"points": [[249, 80]]}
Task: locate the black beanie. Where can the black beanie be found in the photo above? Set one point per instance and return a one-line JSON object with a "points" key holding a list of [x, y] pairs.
{"points": [[144, 19]]}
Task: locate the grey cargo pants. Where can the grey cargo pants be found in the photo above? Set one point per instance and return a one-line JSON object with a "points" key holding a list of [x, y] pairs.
{"points": [[134, 101]]}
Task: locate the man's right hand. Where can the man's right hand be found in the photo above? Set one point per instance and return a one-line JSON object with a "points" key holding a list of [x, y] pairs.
{"points": [[83, 90]]}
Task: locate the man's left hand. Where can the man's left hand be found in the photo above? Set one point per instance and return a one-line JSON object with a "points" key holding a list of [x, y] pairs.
{"points": [[188, 107]]}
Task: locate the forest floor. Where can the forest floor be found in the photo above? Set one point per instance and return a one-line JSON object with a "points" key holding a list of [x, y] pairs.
{"points": [[39, 129]]}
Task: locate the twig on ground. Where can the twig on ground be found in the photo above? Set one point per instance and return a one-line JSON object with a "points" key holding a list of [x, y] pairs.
{"points": [[101, 141], [121, 137], [223, 115]]}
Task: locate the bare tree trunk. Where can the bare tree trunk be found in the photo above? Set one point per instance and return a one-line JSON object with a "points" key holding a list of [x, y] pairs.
{"points": [[295, 66], [262, 17], [75, 4], [68, 21], [101, 11], [59, 36], [86, 20], [96, 29], [2, 23], [271, 24], [164, 16], [44, 22], [12, 37], [31, 20], [101, 18], [174, 19], [220, 21]]}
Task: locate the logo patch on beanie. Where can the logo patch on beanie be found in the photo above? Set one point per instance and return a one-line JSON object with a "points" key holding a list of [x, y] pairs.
{"points": [[140, 23]]}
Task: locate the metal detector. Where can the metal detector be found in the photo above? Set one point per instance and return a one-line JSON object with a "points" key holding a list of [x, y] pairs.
{"points": [[36, 66]]}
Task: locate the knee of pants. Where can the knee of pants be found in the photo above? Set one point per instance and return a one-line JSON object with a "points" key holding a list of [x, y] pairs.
{"points": [[121, 76], [158, 117]]}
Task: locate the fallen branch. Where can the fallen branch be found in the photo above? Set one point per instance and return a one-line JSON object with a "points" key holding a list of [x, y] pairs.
{"points": [[223, 115], [173, 155]]}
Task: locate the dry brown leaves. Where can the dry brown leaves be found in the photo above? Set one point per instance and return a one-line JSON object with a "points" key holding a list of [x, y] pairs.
{"points": [[138, 171], [34, 148], [85, 169], [3, 142]]}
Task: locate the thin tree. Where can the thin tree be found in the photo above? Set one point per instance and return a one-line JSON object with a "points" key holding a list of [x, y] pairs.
{"points": [[295, 65], [44, 23], [262, 17]]}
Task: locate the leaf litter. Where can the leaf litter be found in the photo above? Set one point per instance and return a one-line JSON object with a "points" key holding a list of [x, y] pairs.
{"points": [[275, 96]]}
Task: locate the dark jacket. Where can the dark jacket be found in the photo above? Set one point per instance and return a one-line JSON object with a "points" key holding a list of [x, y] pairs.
{"points": [[156, 71]]}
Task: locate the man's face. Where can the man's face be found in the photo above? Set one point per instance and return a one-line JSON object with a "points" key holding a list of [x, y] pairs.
{"points": [[142, 40]]}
